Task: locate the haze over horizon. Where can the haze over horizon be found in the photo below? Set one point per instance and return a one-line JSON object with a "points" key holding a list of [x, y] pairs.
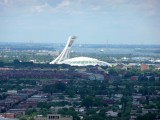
{"points": [[92, 21]]}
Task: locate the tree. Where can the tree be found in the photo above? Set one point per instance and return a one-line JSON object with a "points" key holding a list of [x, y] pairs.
{"points": [[158, 104], [102, 113], [44, 111], [87, 101], [70, 111], [148, 116], [113, 71], [1, 64], [31, 111], [31, 118], [23, 118], [97, 102], [58, 87], [97, 117], [16, 62], [43, 105]]}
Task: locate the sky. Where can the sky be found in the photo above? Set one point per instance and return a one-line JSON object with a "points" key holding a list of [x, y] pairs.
{"points": [[92, 21]]}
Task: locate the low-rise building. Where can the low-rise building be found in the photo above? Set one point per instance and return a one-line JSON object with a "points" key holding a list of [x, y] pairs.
{"points": [[7, 115], [53, 117], [112, 114]]}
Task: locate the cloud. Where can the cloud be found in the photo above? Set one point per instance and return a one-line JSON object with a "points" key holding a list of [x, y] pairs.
{"points": [[153, 7], [40, 8], [148, 7], [64, 4], [72, 6], [6, 1]]}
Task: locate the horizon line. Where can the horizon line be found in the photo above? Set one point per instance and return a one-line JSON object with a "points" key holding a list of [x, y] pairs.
{"points": [[142, 44]]}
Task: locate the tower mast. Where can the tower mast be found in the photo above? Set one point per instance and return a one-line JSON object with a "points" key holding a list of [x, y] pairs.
{"points": [[65, 53]]}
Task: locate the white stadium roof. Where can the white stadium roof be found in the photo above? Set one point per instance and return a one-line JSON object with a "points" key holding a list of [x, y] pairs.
{"points": [[84, 61]]}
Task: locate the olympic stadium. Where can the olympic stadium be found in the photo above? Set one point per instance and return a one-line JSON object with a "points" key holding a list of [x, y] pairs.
{"points": [[63, 58]]}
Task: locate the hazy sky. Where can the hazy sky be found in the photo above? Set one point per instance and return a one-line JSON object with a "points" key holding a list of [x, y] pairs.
{"points": [[92, 21]]}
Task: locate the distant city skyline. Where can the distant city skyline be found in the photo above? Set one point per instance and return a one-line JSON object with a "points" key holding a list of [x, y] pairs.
{"points": [[92, 21]]}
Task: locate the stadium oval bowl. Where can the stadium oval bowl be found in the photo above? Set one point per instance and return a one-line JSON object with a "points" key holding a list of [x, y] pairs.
{"points": [[85, 61]]}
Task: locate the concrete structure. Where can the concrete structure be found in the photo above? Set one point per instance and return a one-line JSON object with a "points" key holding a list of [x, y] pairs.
{"points": [[65, 53], [53, 117], [63, 58]]}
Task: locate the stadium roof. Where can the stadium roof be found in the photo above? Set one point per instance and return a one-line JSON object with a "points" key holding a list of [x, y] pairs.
{"points": [[84, 61]]}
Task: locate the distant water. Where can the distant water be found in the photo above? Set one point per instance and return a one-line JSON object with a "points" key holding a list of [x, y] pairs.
{"points": [[87, 48], [109, 51]]}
